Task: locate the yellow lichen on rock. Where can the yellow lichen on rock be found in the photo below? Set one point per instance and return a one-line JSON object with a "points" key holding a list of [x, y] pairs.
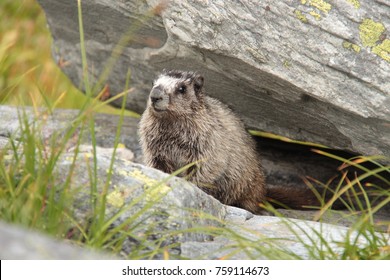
{"points": [[317, 7], [154, 189], [116, 198], [371, 35], [123, 172], [355, 3], [351, 46], [316, 15], [370, 32], [383, 50], [321, 5], [137, 174], [300, 16], [286, 64]]}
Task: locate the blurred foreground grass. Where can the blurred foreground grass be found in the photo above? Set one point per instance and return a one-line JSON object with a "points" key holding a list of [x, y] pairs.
{"points": [[28, 73]]}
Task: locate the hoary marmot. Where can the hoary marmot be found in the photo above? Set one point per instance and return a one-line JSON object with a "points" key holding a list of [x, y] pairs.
{"points": [[182, 125]]}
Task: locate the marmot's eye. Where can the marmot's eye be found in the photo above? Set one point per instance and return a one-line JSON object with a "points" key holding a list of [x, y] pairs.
{"points": [[182, 89]]}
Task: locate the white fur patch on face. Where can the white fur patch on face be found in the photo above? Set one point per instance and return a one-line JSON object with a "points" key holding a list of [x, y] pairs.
{"points": [[166, 82]]}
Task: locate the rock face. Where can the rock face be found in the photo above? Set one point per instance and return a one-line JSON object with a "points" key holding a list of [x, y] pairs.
{"points": [[310, 70]]}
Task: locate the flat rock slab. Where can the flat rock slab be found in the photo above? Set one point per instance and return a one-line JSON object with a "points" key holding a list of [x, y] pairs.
{"points": [[275, 238], [314, 71]]}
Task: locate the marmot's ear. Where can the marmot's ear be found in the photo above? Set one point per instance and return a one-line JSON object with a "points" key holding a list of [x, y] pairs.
{"points": [[198, 83]]}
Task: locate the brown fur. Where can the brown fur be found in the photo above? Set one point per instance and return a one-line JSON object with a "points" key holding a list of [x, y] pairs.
{"points": [[192, 127]]}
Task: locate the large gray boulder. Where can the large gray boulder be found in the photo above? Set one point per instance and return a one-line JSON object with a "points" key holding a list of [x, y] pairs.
{"points": [[315, 71]]}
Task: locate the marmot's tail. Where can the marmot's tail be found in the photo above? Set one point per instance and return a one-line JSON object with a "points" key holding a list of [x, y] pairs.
{"points": [[299, 198]]}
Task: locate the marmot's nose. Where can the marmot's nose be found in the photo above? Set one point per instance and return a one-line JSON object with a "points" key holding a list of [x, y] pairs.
{"points": [[156, 95], [155, 99]]}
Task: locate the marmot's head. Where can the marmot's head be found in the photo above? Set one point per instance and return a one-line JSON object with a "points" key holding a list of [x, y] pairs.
{"points": [[176, 93]]}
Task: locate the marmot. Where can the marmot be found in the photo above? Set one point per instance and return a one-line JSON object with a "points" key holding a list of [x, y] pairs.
{"points": [[182, 125]]}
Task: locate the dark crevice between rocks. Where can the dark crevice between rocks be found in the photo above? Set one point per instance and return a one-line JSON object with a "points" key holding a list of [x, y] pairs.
{"points": [[289, 165]]}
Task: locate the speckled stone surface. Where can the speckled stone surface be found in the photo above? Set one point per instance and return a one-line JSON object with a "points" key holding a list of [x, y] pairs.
{"points": [[314, 71]]}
